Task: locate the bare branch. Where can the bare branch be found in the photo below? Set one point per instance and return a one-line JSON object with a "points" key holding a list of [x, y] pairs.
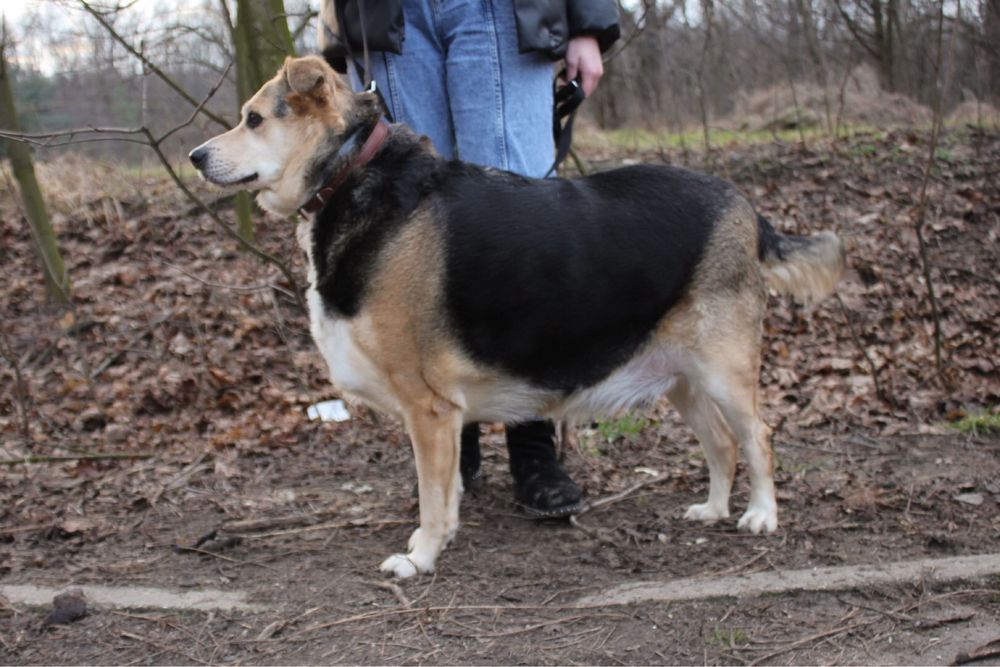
{"points": [[149, 64], [124, 134], [221, 224], [200, 107]]}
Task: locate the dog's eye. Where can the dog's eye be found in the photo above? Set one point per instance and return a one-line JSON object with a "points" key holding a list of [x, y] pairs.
{"points": [[254, 119]]}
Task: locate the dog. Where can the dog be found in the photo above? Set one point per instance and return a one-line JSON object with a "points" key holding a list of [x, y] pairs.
{"points": [[444, 293]]}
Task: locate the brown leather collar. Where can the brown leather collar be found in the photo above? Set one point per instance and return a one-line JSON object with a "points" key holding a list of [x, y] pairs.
{"points": [[374, 142]]}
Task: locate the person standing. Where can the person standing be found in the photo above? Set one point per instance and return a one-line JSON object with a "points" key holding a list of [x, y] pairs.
{"points": [[475, 76]]}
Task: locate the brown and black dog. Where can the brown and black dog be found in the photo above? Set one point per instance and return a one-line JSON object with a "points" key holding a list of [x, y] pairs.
{"points": [[444, 293]]}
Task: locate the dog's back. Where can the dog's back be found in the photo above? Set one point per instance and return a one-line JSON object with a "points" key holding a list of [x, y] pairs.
{"points": [[561, 281]]}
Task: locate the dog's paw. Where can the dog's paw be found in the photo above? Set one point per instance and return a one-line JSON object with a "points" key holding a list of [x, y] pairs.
{"points": [[706, 512], [399, 565], [759, 520]]}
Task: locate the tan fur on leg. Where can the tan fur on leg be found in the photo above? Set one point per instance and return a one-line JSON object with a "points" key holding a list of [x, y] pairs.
{"points": [[435, 439]]}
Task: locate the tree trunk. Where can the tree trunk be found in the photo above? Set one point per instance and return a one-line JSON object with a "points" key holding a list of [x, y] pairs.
{"points": [[56, 278], [882, 36], [262, 41], [991, 32]]}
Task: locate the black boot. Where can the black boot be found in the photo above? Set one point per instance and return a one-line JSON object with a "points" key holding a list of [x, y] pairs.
{"points": [[470, 459], [540, 484]]}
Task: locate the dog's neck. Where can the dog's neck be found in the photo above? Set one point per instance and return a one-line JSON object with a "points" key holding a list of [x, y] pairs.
{"points": [[348, 159]]}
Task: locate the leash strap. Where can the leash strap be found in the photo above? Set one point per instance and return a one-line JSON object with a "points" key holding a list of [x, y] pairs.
{"points": [[364, 71], [566, 100]]}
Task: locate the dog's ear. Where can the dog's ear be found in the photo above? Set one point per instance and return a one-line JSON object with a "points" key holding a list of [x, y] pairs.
{"points": [[307, 76]]}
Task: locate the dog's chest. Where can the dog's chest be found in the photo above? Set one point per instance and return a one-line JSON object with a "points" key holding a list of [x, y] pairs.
{"points": [[351, 369]]}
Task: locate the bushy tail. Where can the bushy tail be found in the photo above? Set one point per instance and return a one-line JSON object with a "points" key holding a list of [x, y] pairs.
{"points": [[807, 267]]}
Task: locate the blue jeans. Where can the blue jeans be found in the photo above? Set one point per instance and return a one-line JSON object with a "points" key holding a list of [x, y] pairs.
{"points": [[461, 81]]}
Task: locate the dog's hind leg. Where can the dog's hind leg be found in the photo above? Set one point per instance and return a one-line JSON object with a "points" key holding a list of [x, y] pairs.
{"points": [[434, 431], [702, 415], [732, 384]]}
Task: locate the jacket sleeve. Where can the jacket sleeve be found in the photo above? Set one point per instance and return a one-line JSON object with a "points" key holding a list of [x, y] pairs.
{"points": [[330, 43], [341, 28], [594, 17]]}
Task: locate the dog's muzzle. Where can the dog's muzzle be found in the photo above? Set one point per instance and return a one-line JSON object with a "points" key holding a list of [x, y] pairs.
{"points": [[216, 173]]}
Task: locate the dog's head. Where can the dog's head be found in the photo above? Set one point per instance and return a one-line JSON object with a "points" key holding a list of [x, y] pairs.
{"points": [[293, 121]]}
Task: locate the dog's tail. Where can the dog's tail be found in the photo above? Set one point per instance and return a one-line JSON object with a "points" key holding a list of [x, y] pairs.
{"points": [[807, 267]]}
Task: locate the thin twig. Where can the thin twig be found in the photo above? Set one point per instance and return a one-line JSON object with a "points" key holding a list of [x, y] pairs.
{"points": [[114, 356], [621, 495], [161, 647], [353, 523], [972, 274], [519, 631], [155, 143], [872, 370], [149, 64], [988, 650], [252, 525], [77, 457], [229, 231], [742, 566], [395, 590], [811, 638], [920, 215], [20, 389], [370, 615], [235, 288], [639, 27]]}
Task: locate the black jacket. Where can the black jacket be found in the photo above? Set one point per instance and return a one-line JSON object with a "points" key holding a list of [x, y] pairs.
{"points": [[542, 25]]}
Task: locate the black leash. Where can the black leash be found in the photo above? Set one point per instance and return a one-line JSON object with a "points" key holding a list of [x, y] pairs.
{"points": [[364, 72], [566, 100]]}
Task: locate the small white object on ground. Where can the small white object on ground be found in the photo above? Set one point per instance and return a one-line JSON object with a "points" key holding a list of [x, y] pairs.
{"points": [[970, 498], [329, 411]]}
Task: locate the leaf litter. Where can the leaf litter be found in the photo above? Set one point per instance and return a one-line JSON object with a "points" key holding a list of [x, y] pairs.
{"points": [[188, 355]]}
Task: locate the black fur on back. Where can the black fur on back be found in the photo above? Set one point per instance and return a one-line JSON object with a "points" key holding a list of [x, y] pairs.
{"points": [[561, 281], [554, 281]]}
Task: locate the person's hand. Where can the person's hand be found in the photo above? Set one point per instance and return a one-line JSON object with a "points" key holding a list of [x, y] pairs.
{"points": [[583, 57]]}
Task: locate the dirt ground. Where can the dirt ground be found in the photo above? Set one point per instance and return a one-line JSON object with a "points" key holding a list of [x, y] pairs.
{"points": [[503, 591], [187, 359]]}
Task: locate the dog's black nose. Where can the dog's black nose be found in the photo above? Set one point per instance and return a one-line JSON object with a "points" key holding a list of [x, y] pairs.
{"points": [[198, 157]]}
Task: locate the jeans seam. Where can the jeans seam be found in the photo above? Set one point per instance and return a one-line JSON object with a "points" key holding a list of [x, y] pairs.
{"points": [[390, 77], [501, 137]]}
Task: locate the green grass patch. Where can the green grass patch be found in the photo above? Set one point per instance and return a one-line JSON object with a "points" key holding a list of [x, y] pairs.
{"points": [[802, 468], [637, 139], [980, 423], [627, 427], [156, 170], [729, 637]]}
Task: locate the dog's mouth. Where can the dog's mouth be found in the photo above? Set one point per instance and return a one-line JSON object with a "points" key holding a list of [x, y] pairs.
{"points": [[231, 182]]}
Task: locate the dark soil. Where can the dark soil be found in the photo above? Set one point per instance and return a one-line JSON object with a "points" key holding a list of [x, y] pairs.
{"points": [[208, 378], [503, 587]]}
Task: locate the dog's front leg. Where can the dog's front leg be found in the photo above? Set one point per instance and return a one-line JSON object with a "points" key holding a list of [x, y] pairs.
{"points": [[434, 433]]}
